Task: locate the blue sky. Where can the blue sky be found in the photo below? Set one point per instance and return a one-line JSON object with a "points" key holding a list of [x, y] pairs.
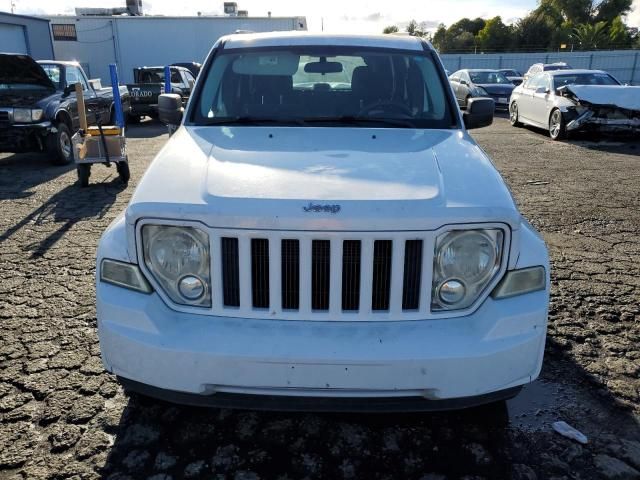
{"points": [[356, 16]]}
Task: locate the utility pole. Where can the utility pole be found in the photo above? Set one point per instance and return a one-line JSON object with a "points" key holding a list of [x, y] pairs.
{"points": [[13, 6]]}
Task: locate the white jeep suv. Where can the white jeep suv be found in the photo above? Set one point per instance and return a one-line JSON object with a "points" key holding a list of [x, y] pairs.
{"points": [[321, 232]]}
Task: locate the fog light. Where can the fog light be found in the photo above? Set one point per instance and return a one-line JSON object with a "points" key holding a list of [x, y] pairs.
{"points": [[451, 291], [191, 287]]}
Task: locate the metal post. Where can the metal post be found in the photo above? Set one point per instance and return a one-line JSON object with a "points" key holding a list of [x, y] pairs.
{"points": [[500, 61], [117, 101], [633, 70], [590, 60], [167, 79]]}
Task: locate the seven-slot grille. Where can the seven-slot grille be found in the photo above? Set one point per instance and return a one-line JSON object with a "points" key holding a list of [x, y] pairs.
{"points": [[297, 275]]}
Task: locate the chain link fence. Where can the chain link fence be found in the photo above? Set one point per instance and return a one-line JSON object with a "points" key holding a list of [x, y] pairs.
{"points": [[622, 64]]}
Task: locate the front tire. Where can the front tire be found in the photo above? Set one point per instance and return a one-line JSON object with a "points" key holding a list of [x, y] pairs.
{"points": [[123, 171], [60, 145], [557, 126], [514, 115]]}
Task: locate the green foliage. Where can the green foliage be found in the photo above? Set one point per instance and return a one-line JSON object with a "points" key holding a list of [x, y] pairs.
{"points": [[495, 35], [591, 36], [619, 35], [390, 29], [580, 23]]}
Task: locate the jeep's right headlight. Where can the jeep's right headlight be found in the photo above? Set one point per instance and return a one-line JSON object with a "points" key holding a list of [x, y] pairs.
{"points": [[465, 262], [179, 260]]}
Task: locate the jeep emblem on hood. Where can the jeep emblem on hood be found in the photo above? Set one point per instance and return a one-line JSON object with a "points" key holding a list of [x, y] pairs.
{"points": [[316, 207]]}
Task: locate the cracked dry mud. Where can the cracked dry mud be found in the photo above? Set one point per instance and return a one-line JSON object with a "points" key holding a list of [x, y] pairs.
{"points": [[62, 416]]}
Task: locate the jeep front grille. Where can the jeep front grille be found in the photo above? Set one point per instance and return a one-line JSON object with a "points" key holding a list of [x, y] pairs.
{"points": [[320, 276]]}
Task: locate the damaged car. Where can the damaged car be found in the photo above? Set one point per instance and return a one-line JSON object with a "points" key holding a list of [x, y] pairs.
{"points": [[567, 101]]}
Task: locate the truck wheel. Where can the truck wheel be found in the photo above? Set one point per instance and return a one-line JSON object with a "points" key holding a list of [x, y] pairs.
{"points": [[84, 172], [123, 171], [60, 145], [557, 126]]}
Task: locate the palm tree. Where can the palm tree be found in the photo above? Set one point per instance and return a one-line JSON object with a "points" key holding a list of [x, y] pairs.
{"points": [[591, 35]]}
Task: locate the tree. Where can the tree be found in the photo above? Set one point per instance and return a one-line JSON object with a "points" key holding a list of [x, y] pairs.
{"points": [[415, 30], [390, 29], [619, 35], [609, 10], [440, 39], [591, 35], [495, 36], [533, 32]]}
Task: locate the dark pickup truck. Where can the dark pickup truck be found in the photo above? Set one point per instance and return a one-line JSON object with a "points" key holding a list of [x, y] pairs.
{"points": [[39, 109], [149, 84]]}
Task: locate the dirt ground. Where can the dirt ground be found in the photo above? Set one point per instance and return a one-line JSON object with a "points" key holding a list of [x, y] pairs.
{"points": [[62, 416]]}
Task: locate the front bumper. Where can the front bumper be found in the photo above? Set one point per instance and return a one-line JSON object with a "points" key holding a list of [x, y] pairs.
{"points": [[208, 360], [144, 109], [17, 138]]}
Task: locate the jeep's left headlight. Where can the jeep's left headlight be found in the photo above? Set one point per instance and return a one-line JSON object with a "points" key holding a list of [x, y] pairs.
{"points": [[178, 258], [465, 262]]}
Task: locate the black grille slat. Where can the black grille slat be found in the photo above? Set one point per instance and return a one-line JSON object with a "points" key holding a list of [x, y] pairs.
{"points": [[381, 288], [351, 250], [230, 272], [412, 275], [320, 274], [290, 259], [260, 272]]}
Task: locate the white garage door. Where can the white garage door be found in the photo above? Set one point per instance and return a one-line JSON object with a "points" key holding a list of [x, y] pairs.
{"points": [[12, 38]]}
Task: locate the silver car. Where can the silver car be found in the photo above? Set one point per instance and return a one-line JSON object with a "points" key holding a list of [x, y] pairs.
{"points": [[556, 100]]}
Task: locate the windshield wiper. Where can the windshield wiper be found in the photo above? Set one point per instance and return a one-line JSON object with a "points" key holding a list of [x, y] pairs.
{"points": [[249, 120], [355, 120]]}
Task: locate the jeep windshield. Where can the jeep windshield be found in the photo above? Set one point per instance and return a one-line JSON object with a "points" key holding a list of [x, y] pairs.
{"points": [[324, 86]]}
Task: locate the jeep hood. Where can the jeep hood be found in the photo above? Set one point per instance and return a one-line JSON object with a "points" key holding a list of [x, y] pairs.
{"points": [[292, 178], [22, 69]]}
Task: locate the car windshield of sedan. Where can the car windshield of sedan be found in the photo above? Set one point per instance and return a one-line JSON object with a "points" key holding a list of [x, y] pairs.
{"points": [[488, 78], [324, 86], [584, 79]]}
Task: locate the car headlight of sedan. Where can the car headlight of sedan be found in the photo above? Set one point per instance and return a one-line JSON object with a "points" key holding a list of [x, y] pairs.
{"points": [[178, 258], [465, 262], [27, 115], [480, 92]]}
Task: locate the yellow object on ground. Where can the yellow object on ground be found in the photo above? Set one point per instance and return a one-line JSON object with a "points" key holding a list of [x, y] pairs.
{"points": [[107, 130]]}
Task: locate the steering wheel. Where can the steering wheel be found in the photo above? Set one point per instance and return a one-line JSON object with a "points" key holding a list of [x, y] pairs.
{"points": [[386, 106]]}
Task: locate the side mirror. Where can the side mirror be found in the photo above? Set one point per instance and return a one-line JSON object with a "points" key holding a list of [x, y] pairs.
{"points": [[542, 90], [170, 108], [479, 113], [463, 82], [68, 90]]}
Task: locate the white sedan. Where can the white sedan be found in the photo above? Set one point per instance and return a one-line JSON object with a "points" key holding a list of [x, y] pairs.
{"points": [[564, 101]]}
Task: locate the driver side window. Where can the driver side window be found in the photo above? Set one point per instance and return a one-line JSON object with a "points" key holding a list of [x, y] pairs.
{"points": [[73, 76]]}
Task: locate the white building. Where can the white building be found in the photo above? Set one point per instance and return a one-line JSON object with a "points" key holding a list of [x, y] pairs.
{"points": [[134, 41]]}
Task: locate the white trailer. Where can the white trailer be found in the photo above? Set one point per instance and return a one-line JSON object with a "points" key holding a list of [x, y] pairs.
{"points": [[134, 41]]}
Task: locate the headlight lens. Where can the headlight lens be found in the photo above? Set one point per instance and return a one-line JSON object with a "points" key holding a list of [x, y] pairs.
{"points": [[481, 92], [465, 262], [178, 258], [21, 115], [27, 115]]}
